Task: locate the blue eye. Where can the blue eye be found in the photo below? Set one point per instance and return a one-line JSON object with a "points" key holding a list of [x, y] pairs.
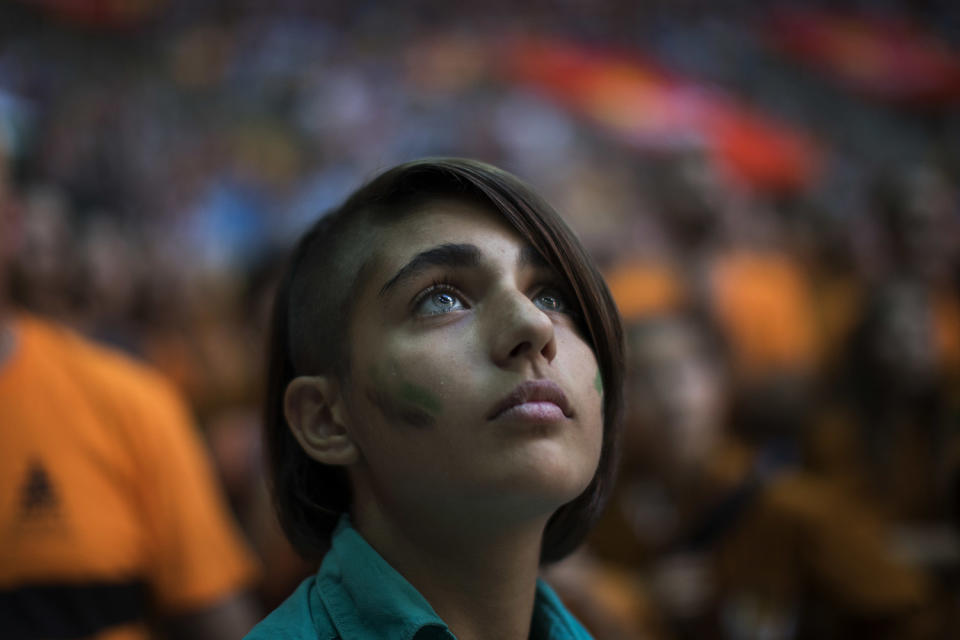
{"points": [[436, 301], [551, 300]]}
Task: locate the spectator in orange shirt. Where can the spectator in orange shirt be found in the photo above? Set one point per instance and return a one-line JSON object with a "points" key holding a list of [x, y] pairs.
{"points": [[111, 523], [730, 260]]}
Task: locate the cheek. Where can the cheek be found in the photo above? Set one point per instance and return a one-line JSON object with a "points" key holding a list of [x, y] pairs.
{"points": [[417, 382], [586, 381], [435, 371]]}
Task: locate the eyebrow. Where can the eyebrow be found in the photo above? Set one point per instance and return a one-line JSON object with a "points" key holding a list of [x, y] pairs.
{"points": [[444, 255], [454, 256]]}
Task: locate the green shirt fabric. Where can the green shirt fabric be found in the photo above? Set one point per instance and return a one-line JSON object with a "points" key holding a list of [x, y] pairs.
{"points": [[357, 595]]}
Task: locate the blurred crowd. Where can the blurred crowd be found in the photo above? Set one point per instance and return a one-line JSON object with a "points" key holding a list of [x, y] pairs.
{"points": [[792, 448]]}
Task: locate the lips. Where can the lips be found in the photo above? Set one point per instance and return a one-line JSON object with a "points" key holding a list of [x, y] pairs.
{"points": [[532, 395]]}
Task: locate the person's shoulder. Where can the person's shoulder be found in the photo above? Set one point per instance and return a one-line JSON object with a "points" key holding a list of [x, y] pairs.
{"points": [[129, 397], [296, 619], [86, 355], [101, 369]]}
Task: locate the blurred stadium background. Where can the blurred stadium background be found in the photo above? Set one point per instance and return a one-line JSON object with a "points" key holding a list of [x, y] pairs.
{"points": [[790, 171]]}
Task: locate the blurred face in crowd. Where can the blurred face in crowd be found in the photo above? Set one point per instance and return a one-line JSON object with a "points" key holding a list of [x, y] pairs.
{"points": [[924, 226], [692, 194], [470, 385], [675, 395], [903, 340], [110, 268], [44, 263], [47, 238]]}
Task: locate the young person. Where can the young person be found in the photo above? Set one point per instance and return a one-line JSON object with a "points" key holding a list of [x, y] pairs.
{"points": [[442, 402]]}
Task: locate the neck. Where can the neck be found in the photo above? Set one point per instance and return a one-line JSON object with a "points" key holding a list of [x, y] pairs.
{"points": [[481, 580]]}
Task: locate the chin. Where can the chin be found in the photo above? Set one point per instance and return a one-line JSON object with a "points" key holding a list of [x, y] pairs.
{"points": [[548, 476]]}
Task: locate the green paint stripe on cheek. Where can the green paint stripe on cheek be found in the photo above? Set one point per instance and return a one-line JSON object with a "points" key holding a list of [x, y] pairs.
{"points": [[420, 398], [598, 383], [402, 392]]}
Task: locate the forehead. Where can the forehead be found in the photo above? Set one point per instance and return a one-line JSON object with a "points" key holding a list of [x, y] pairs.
{"points": [[438, 222]]}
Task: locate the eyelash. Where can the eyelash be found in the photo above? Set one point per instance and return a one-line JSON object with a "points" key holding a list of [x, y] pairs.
{"points": [[436, 287], [446, 286]]}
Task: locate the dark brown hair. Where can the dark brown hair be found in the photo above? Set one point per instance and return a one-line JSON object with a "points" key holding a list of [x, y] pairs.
{"points": [[309, 334]]}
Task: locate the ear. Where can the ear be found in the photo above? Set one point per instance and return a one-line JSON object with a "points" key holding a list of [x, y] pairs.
{"points": [[316, 414]]}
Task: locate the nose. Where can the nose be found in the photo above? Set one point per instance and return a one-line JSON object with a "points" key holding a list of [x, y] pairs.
{"points": [[521, 331]]}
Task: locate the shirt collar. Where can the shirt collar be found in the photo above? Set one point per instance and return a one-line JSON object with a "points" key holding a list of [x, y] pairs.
{"points": [[367, 598], [551, 620]]}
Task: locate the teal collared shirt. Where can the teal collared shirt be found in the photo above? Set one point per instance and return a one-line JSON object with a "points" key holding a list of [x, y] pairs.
{"points": [[356, 595]]}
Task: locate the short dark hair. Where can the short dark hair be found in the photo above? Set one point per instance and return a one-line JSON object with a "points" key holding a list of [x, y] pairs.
{"points": [[312, 312]]}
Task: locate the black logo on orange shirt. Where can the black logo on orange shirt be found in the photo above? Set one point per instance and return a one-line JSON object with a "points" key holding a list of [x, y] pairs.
{"points": [[38, 496]]}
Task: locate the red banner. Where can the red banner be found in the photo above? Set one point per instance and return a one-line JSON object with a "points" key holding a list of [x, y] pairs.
{"points": [[876, 55], [645, 106]]}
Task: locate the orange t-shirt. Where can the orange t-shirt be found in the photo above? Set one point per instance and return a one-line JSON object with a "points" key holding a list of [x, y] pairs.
{"points": [[109, 509], [761, 299], [644, 288], [763, 302]]}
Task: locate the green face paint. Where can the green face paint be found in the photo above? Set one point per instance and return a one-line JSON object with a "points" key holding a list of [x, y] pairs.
{"points": [[402, 401], [420, 398], [598, 383]]}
